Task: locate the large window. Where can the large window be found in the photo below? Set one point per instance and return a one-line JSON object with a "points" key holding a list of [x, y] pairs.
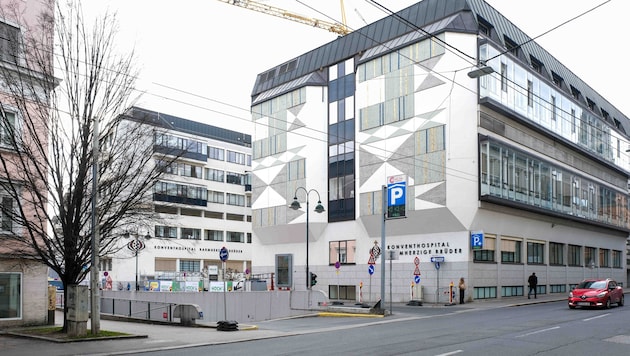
{"points": [[604, 257], [486, 254], [10, 295], [236, 157], [535, 253], [342, 252], [510, 250], [556, 254]]}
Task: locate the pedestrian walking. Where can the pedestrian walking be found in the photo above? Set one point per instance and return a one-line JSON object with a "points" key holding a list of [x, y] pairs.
{"points": [[462, 289], [533, 282]]}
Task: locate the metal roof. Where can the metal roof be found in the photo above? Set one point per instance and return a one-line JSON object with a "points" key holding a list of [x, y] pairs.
{"points": [[435, 16]]}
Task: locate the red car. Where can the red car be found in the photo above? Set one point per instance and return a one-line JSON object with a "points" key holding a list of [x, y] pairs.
{"points": [[596, 293]]}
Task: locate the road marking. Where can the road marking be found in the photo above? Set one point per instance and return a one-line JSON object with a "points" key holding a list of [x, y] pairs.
{"points": [[539, 331], [451, 353], [596, 317]]}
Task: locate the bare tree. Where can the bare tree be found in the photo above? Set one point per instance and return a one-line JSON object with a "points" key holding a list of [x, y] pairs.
{"points": [[49, 102]]}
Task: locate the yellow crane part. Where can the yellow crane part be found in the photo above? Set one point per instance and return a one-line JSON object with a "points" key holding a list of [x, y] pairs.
{"points": [[337, 28]]}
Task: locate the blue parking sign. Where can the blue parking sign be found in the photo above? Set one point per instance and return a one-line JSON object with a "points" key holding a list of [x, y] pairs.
{"points": [[396, 196], [476, 240]]}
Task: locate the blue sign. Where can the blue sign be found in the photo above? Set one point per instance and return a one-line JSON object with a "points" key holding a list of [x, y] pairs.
{"points": [[476, 240], [396, 196], [437, 259], [224, 254], [416, 279], [437, 265], [371, 269]]}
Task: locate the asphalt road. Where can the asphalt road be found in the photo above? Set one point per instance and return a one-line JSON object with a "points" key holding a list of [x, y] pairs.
{"points": [[540, 329]]}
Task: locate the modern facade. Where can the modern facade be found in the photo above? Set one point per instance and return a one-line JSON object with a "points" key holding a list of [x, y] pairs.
{"points": [[203, 201], [521, 170], [23, 286]]}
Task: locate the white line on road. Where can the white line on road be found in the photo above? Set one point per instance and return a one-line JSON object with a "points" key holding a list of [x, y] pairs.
{"points": [[539, 331], [451, 353], [596, 317]]}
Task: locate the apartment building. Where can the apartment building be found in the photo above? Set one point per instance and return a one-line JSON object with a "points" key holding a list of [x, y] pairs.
{"points": [[203, 201]]}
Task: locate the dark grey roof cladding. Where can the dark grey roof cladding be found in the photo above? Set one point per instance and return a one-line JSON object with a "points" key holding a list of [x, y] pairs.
{"points": [[422, 14], [175, 123]]}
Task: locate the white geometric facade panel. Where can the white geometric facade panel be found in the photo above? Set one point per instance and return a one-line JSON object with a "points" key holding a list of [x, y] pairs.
{"points": [[269, 197]]}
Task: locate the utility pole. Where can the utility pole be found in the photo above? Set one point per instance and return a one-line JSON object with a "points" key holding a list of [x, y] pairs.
{"points": [[95, 305]]}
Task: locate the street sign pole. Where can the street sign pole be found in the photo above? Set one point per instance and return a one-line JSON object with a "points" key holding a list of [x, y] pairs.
{"points": [[384, 199], [223, 255]]}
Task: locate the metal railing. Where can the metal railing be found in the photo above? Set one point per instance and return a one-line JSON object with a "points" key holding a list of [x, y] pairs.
{"points": [[138, 309]]}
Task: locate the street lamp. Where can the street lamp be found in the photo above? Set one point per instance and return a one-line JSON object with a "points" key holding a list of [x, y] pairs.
{"points": [[136, 245], [295, 205]]}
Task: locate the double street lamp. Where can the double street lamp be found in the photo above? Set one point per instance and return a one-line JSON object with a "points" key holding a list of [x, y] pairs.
{"points": [[295, 205], [136, 245]]}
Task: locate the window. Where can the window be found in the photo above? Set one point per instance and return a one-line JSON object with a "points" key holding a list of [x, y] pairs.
{"points": [[11, 293], [535, 253], [234, 178], [616, 256], [512, 291], [296, 169], [6, 209], [9, 43], [233, 236], [235, 199], [236, 157], [215, 175], [342, 251], [216, 153], [191, 234], [484, 292], [504, 77], [575, 255], [510, 251], [487, 253], [105, 264], [589, 256], [216, 197], [556, 253], [530, 93], [7, 128], [604, 257], [214, 235], [189, 266], [166, 232]]}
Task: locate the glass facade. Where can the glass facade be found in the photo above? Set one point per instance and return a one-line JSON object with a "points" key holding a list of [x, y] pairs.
{"points": [[520, 90], [512, 175]]}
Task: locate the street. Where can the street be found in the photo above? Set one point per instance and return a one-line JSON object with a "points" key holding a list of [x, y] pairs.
{"points": [[541, 329]]}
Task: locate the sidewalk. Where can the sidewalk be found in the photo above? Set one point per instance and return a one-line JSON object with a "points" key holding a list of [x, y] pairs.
{"points": [[154, 337]]}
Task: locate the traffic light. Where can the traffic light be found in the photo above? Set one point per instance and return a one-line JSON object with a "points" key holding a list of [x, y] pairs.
{"points": [[313, 279]]}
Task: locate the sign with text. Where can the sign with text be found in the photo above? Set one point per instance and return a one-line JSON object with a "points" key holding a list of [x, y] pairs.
{"points": [[396, 196]]}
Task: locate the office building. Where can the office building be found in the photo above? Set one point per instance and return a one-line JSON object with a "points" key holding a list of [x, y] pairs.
{"points": [[510, 163]]}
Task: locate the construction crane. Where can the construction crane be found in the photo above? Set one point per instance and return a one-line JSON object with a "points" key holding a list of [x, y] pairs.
{"points": [[337, 28]]}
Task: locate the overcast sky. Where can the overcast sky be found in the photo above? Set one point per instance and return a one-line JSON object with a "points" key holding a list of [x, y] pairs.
{"points": [[199, 59]]}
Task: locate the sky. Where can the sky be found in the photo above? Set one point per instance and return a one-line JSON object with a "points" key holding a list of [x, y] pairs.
{"points": [[199, 59]]}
